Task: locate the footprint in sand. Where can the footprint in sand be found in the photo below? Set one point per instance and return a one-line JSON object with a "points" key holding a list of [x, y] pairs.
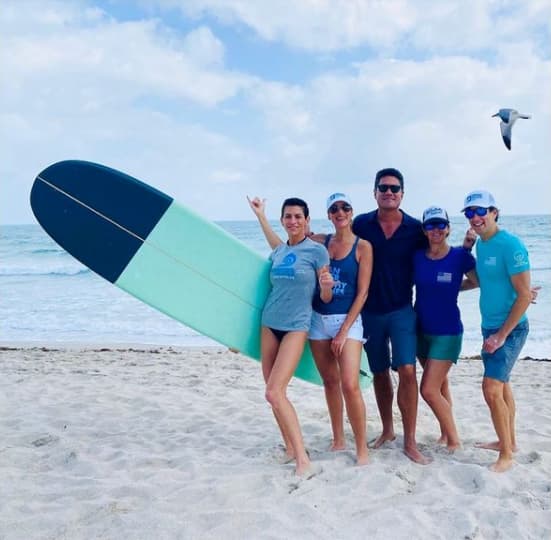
{"points": [[43, 441]]}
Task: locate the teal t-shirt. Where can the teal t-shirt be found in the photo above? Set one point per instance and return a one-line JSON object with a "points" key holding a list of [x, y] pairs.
{"points": [[293, 277], [497, 259]]}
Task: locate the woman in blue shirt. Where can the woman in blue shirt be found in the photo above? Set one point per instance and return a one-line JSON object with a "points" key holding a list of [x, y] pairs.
{"points": [[439, 274]]}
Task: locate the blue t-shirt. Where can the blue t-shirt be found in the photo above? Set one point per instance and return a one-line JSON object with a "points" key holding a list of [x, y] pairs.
{"points": [[437, 284], [293, 277], [391, 286], [497, 259], [345, 276]]}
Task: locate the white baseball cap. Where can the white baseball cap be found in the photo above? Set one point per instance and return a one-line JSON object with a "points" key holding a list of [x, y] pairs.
{"points": [[338, 197], [435, 213], [479, 197]]}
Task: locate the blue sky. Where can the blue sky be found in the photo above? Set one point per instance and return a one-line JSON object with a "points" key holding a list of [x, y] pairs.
{"points": [[212, 100]]}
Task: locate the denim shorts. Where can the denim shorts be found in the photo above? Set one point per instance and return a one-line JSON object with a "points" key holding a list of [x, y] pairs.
{"points": [[499, 364], [439, 347], [396, 329], [327, 327]]}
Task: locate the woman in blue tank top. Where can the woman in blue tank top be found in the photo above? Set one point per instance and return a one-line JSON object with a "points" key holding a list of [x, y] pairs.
{"points": [[336, 334]]}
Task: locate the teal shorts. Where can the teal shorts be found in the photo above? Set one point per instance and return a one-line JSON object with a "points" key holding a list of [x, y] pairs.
{"points": [[439, 347]]}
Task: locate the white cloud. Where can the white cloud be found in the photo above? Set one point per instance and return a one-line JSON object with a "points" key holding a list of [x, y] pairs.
{"points": [[312, 25], [204, 48], [331, 25], [431, 119], [161, 105], [131, 58]]}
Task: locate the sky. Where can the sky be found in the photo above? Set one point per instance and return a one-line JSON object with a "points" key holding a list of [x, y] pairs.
{"points": [[213, 100]]}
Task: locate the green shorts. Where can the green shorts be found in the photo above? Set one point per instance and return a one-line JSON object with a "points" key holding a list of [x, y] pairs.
{"points": [[439, 347]]}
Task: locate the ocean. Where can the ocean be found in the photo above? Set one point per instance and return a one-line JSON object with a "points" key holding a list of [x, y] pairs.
{"points": [[48, 298]]}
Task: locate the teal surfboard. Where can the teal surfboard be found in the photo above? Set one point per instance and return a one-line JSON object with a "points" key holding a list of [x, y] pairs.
{"points": [[161, 252]]}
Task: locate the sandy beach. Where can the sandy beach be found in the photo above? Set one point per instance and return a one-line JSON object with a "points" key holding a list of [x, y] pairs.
{"points": [[147, 443]]}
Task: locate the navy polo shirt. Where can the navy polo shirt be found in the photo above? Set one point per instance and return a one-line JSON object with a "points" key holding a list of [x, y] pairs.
{"points": [[391, 286]]}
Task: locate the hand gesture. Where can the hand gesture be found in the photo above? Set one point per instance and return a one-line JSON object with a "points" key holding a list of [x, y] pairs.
{"points": [[326, 280], [470, 239], [258, 206]]}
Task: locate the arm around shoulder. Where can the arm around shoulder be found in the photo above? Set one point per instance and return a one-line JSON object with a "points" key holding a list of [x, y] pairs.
{"points": [[470, 281]]}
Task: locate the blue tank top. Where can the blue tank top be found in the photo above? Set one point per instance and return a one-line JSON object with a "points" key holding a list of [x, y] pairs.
{"points": [[345, 276]]}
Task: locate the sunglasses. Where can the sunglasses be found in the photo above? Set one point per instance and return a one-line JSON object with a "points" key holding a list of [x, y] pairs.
{"points": [[383, 188], [440, 225], [478, 211], [334, 208]]}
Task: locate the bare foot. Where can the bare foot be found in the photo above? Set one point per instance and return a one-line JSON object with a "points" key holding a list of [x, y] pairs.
{"points": [[288, 455], [287, 458], [502, 464], [453, 446], [492, 446], [383, 438], [308, 471], [416, 456], [443, 440], [362, 459], [336, 446]]}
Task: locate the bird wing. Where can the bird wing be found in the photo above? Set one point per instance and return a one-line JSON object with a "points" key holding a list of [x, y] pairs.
{"points": [[506, 134], [505, 114]]}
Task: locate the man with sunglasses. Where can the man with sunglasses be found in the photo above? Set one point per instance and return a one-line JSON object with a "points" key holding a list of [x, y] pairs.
{"points": [[503, 271], [388, 315]]}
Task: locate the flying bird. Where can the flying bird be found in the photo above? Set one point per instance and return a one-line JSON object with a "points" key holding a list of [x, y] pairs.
{"points": [[508, 118]]}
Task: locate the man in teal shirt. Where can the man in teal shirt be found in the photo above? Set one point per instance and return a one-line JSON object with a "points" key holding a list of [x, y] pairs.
{"points": [[503, 271]]}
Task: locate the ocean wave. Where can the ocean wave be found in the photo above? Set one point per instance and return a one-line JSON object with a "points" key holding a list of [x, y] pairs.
{"points": [[48, 251], [21, 272]]}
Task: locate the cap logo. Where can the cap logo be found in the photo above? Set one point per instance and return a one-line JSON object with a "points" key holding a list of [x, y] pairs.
{"points": [[336, 196], [433, 211], [474, 197]]}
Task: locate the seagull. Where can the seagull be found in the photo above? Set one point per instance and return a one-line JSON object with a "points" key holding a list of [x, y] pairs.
{"points": [[508, 118]]}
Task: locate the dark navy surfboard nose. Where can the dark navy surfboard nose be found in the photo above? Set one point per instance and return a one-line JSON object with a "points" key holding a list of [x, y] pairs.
{"points": [[99, 215]]}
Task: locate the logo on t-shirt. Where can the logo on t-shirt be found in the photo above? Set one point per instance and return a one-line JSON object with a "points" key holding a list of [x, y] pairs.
{"points": [[444, 277], [520, 259], [339, 286], [285, 268]]}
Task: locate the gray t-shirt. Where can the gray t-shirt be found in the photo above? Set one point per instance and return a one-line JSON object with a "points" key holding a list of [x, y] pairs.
{"points": [[293, 277]]}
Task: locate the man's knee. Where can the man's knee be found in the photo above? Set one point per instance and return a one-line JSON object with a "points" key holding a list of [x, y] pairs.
{"points": [[407, 373], [492, 390]]}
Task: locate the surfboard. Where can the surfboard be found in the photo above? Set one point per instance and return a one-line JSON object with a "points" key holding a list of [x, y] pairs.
{"points": [[161, 252]]}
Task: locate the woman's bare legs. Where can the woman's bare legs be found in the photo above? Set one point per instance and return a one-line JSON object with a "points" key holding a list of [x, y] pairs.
{"points": [[434, 375], [349, 362], [277, 372], [330, 375]]}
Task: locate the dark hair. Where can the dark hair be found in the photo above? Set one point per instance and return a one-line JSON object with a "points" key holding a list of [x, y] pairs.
{"points": [[295, 201], [492, 208], [389, 172]]}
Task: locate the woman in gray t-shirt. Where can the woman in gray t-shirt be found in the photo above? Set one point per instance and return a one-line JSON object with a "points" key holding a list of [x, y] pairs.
{"points": [[296, 266]]}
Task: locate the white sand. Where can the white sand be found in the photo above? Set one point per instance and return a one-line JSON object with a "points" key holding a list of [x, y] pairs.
{"points": [[156, 444]]}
